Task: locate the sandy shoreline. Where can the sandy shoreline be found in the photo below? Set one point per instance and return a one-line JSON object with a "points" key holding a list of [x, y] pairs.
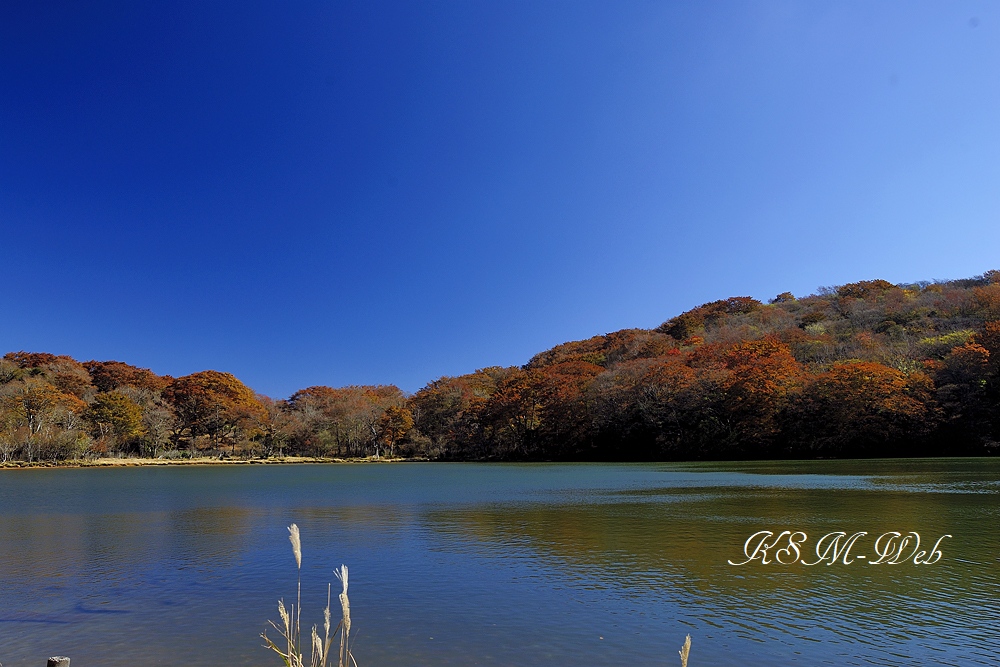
{"points": [[203, 460]]}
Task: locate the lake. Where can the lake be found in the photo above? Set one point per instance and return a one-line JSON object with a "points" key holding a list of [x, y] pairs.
{"points": [[490, 564]]}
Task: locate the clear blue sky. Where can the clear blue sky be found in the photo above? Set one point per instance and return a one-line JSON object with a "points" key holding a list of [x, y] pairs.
{"points": [[386, 192]]}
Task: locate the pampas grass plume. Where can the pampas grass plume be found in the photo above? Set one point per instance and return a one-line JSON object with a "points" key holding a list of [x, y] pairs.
{"points": [[345, 604], [345, 623], [293, 537], [292, 654], [685, 650]]}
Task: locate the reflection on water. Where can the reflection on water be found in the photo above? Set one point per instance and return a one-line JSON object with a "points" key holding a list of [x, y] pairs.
{"points": [[456, 564]]}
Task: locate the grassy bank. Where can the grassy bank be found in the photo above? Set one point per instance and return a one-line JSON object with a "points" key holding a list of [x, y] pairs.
{"points": [[127, 462]]}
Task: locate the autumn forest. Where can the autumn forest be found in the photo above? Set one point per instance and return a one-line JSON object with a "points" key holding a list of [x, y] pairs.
{"points": [[864, 369]]}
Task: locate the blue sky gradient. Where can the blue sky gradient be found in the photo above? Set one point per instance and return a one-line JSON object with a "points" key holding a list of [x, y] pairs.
{"points": [[386, 192]]}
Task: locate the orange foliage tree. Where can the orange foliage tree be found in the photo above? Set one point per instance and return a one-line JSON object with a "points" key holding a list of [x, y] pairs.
{"points": [[865, 289], [567, 421], [111, 375], [650, 409], [31, 359], [511, 417], [762, 378], [39, 421], [394, 425], [446, 413], [689, 323], [216, 405], [348, 421], [37, 403], [864, 408]]}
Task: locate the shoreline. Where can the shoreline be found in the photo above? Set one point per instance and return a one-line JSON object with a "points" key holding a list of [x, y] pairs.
{"points": [[201, 460]]}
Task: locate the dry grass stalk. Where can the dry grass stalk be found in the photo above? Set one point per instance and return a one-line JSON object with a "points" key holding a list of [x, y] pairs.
{"points": [[685, 650], [345, 622], [292, 654], [295, 539]]}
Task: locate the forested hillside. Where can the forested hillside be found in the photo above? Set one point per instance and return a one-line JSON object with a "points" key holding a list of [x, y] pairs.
{"points": [[865, 369]]}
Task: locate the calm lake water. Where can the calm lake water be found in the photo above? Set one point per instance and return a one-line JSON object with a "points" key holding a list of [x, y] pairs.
{"points": [[468, 564]]}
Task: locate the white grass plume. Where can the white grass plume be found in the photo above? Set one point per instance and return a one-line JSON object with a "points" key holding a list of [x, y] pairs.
{"points": [[345, 604], [296, 540], [345, 623], [292, 654], [685, 650], [293, 537]]}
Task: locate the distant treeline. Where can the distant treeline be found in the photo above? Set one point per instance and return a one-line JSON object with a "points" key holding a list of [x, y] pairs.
{"points": [[865, 369]]}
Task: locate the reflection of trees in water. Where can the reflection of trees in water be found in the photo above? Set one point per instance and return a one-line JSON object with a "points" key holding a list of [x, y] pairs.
{"points": [[211, 536], [67, 545], [122, 544], [673, 546], [354, 527]]}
